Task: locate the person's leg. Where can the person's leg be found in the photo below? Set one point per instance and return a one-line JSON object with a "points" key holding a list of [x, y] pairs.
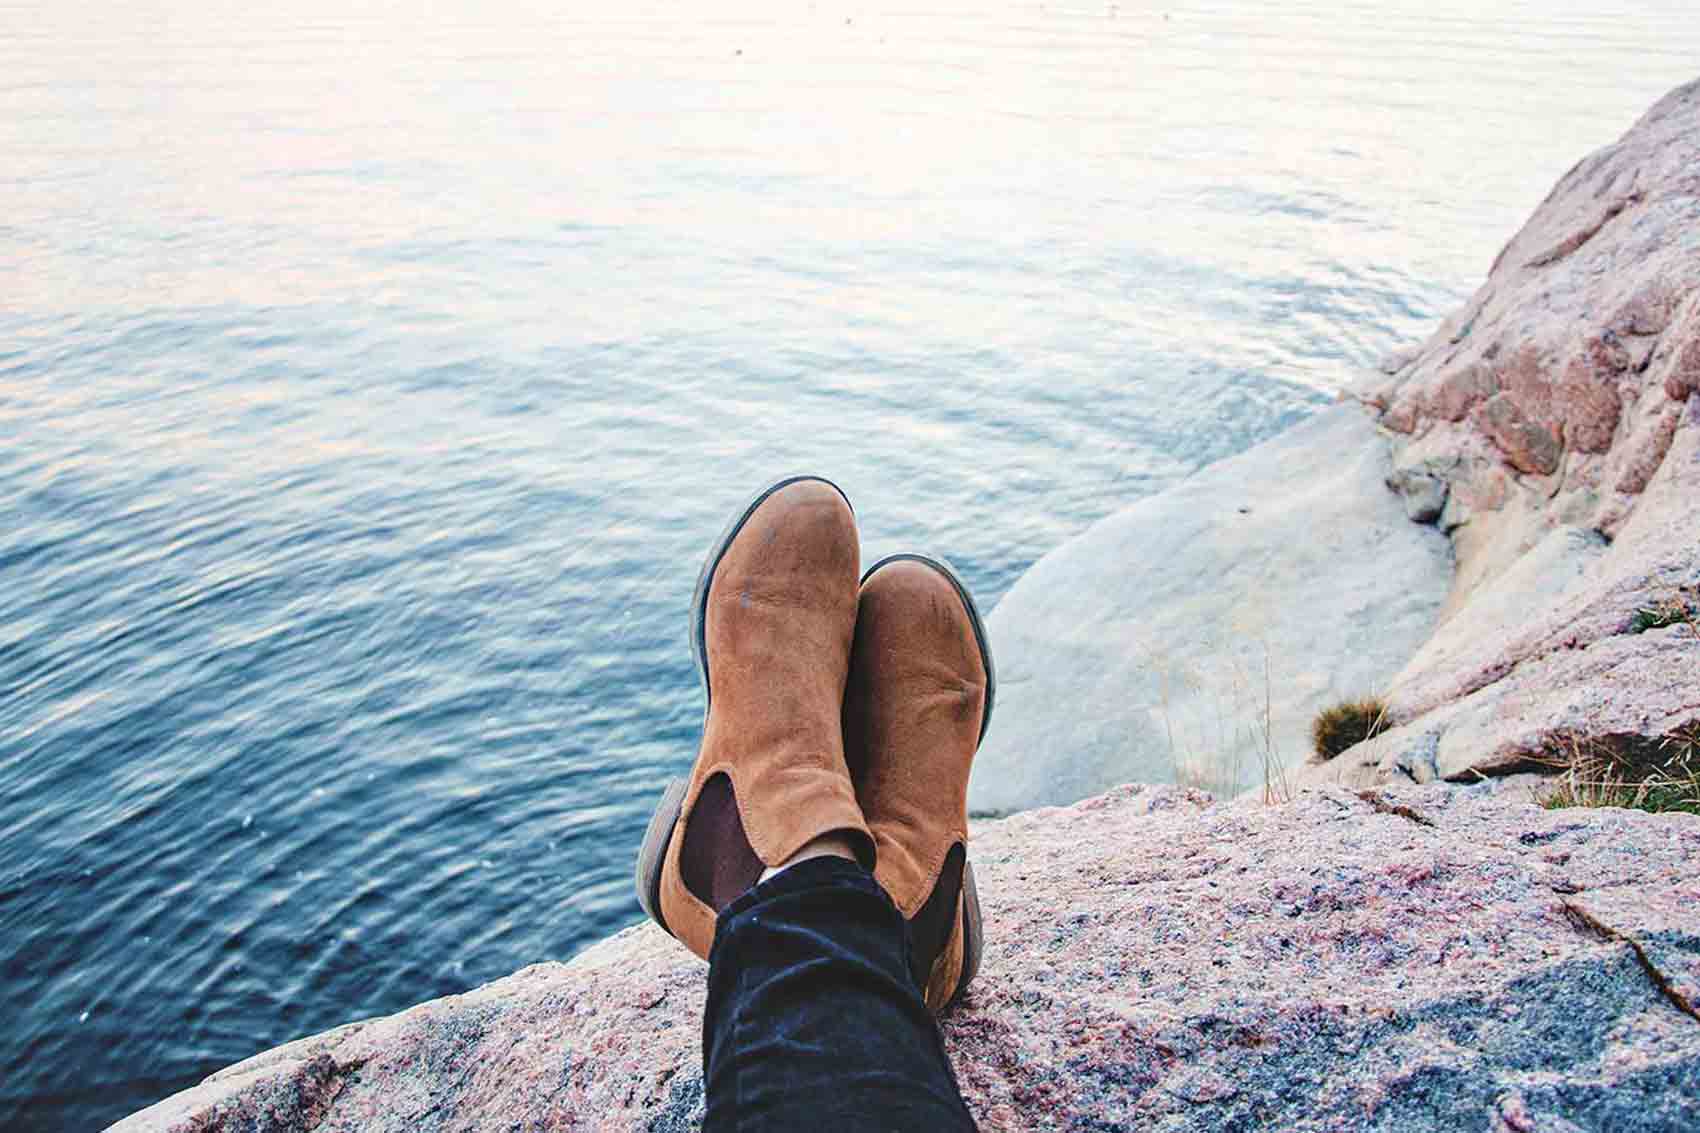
{"points": [[814, 1020], [916, 705], [816, 1010]]}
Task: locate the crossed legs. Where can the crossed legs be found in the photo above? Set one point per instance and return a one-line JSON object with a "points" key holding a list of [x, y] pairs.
{"points": [[817, 853]]}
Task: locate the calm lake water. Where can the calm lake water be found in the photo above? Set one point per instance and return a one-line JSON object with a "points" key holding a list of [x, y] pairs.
{"points": [[373, 375]]}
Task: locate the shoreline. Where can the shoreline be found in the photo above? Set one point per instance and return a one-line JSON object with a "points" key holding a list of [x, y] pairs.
{"points": [[1390, 939]]}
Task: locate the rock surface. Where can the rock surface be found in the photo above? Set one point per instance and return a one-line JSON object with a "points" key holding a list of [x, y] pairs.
{"points": [[1561, 409], [1414, 959], [1196, 630]]}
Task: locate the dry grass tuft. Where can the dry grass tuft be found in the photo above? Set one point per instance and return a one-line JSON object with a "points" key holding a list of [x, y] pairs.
{"points": [[1680, 607], [1347, 723], [1228, 747], [1654, 775]]}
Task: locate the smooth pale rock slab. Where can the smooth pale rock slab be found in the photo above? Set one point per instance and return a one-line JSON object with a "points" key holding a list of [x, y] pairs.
{"points": [[1196, 630], [1408, 959], [1542, 582]]}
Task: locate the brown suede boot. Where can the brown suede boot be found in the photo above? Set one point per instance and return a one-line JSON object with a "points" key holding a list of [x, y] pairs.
{"points": [[915, 708], [771, 626]]}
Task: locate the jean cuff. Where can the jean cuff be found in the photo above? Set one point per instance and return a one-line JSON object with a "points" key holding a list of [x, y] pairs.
{"points": [[816, 873]]}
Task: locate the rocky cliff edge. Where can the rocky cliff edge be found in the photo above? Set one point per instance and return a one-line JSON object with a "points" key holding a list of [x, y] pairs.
{"points": [[1485, 536], [1552, 429], [1425, 958]]}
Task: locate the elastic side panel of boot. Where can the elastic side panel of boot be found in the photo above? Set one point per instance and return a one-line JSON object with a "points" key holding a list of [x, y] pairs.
{"points": [[716, 860], [931, 928]]}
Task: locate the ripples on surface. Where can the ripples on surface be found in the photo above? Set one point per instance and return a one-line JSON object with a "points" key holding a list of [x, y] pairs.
{"points": [[371, 381]]}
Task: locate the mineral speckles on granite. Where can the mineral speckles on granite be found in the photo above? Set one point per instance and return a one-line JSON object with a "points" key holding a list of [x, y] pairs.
{"points": [[1407, 959]]}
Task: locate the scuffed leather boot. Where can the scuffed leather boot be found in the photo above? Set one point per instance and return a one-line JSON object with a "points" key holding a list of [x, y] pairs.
{"points": [[771, 626], [917, 703]]}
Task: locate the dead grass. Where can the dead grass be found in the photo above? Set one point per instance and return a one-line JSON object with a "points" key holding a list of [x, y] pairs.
{"points": [[1655, 775], [1212, 753], [1348, 723], [1680, 607], [1276, 788]]}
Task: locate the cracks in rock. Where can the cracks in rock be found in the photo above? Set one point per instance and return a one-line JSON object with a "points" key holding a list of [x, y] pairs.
{"points": [[1587, 232], [1526, 765], [1588, 923], [1344, 808], [1383, 806], [1543, 647], [1504, 670]]}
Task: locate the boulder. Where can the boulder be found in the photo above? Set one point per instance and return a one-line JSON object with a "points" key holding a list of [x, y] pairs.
{"points": [[1418, 958], [1560, 407], [1194, 634]]}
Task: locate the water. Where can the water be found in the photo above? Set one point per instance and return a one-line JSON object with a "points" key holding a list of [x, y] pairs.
{"points": [[372, 377]]}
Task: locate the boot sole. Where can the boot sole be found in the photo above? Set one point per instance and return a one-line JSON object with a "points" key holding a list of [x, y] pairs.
{"points": [[652, 855], [973, 941]]}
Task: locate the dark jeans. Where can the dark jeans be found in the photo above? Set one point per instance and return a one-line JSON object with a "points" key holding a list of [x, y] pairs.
{"points": [[813, 1021]]}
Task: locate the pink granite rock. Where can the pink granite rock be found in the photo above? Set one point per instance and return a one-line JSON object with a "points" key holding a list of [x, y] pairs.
{"points": [[1561, 409], [1414, 959], [1586, 331]]}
